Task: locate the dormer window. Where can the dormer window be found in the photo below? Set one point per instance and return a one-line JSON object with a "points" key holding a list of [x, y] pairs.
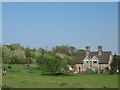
{"points": [[94, 61]]}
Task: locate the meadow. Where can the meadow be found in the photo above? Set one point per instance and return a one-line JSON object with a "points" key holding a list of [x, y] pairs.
{"points": [[21, 76]]}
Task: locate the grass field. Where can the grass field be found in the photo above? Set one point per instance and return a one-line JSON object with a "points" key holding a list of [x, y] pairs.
{"points": [[29, 77]]}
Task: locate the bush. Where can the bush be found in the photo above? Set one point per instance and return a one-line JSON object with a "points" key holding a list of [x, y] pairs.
{"points": [[52, 64], [115, 64], [89, 71], [111, 71], [9, 66]]}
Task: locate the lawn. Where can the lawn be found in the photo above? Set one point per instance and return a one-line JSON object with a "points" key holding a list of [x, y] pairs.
{"points": [[21, 76]]}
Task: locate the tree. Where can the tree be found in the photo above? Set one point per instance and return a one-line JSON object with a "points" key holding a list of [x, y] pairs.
{"points": [[78, 51], [70, 60], [52, 64], [115, 64], [68, 50], [28, 52], [72, 49], [41, 50], [6, 54], [18, 57]]}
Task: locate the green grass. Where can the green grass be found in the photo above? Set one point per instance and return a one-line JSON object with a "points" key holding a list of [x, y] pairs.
{"points": [[29, 77]]}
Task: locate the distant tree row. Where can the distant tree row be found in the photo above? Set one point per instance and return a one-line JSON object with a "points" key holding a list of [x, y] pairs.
{"points": [[52, 62], [16, 54]]}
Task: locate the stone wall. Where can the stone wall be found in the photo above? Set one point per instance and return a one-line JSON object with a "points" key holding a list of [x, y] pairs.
{"points": [[110, 60], [98, 66], [79, 65]]}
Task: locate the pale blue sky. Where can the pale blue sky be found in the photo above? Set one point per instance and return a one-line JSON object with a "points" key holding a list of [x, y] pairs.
{"points": [[50, 24]]}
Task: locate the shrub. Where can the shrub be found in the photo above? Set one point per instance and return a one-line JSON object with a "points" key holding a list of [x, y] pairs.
{"points": [[111, 71], [52, 64], [9, 66], [89, 71]]}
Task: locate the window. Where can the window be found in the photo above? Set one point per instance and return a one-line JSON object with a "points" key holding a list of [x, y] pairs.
{"points": [[94, 61], [86, 61]]}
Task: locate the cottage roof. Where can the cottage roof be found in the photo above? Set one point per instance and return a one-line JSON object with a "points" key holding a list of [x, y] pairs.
{"points": [[103, 58]]}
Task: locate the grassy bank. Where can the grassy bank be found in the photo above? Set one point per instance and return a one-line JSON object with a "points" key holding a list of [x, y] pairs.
{"points": [[21, 76]]}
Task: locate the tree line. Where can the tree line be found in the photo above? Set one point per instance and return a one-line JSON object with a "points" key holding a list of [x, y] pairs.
{"points": [[53, 61]]}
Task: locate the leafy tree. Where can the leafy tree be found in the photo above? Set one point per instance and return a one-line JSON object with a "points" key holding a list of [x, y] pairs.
{"points": [[37, 53], [81, 50], [6, 54], [42, 51], [115, 64], [28, 55], [33, 50], [52, 64], [20, 53], [78, 51], [72, 49], [15, 46], [15, 60], [68, 50], [28, 52], [70, 60], [18, 56], [33, 55]]}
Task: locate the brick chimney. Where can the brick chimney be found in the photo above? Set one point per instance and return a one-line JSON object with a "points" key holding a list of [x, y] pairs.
{"points": [[87, 50], [99, 50]]}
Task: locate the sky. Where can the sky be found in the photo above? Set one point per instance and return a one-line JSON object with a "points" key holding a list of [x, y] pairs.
{"points": [[51, 24]]}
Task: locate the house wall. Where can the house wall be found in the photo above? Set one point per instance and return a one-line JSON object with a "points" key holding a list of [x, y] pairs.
{"points": [[110, 60], [79, 65], [84, 66], [104, 66], [98, 66], [95, 66]]}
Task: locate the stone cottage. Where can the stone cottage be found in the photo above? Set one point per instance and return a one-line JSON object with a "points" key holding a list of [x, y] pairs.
{"points": [[99, 60]]}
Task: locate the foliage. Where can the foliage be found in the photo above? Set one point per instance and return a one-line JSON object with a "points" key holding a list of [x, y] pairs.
{"points": [[6, 52], [67, 50], [70, 60], [115, 64], [89, 71], [9, 66], [52, 64], [78, 51], [28, 52], [16, 54]]}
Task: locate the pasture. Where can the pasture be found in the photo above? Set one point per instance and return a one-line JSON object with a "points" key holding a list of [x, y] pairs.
{"points": [[21, 76]]}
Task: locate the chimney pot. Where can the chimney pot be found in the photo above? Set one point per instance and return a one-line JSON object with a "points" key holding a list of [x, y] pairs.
{"points": [[99, 50], [87, 50]]}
